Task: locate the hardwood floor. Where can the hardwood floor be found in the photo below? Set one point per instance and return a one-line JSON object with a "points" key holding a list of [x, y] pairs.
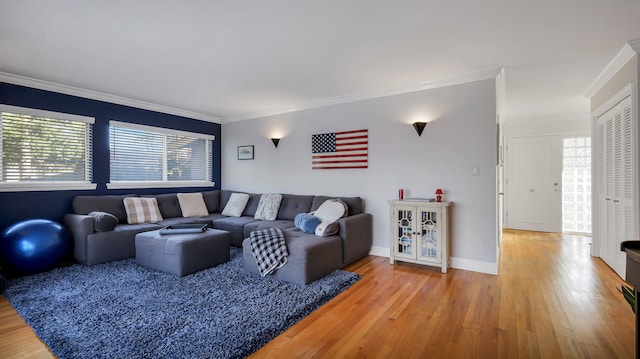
{"points": [[550, 300]]}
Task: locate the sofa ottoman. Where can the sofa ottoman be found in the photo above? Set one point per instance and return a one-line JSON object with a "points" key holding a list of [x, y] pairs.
{"points": [[182, 254]]}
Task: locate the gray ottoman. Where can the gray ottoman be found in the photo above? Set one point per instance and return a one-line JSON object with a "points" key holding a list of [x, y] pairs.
{"points": [[182, 254]]}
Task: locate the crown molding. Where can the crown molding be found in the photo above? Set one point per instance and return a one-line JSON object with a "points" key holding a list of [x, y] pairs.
{"points": [[424, 85], [630, 49], [100, 96]]}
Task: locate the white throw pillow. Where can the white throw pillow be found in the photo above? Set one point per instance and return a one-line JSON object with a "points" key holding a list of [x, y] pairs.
{"points": [[236, 204], [329, 212], [192, 205], [142, 210], [268, 207]]}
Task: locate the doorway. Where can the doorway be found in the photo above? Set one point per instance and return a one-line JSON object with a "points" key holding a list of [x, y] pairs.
{"points": [[548, 184], [532, 183]]}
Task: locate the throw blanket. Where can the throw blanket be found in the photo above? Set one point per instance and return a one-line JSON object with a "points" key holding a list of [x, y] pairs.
{"points": [[269, 249]]}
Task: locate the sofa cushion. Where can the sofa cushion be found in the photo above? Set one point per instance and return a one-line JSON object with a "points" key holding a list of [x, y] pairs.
{"points": [[212, 200], [192, 205], [102, 247], [293, 204], [252, 204], [236, 204], [213, 216], [108, 203], [268, 207], [328, 229], [310, 257], [168, 204], [142, 210], [224, 197], [103, 221], [233, 225], [328, 213], [306, 222], [282, 224]]}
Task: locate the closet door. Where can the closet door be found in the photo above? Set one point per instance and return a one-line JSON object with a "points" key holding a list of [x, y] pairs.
{"points": [[623, 200], [605, 185], [615, 183]]}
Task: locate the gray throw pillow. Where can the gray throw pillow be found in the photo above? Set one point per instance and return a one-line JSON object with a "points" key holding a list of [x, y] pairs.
{"points": [[104, 222]]}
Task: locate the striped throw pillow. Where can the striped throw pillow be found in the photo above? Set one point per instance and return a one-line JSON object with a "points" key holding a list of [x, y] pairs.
{"points": [[142, 210]]}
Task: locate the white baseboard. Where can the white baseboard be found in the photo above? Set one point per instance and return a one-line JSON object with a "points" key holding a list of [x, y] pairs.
{"points": [[380, 251], [457, 263], [474, 265]]}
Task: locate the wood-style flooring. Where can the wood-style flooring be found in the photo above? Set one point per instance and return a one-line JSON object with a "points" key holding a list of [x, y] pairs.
{"points": [[551, 299]]}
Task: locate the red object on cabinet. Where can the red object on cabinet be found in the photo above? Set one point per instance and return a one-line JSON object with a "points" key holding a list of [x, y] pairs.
{"points": [[439, 195], [401, 193]]}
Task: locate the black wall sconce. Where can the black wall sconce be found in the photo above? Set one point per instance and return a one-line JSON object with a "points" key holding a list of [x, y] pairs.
{"points": [[419, 127], [275, 141]]}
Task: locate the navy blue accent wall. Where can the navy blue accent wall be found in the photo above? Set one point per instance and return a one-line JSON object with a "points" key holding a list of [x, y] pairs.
{"points": [[18, 206]]}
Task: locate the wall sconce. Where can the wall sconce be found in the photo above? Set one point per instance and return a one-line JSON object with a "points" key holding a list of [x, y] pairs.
{"points": [[275, 141], [419, 127]]}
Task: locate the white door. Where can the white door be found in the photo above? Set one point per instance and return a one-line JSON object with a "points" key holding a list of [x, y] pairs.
{"points": [[615, 183], [533, 183]]}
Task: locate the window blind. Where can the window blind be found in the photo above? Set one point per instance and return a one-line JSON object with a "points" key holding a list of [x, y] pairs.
{"points": [[146, 153], [43, 146]]}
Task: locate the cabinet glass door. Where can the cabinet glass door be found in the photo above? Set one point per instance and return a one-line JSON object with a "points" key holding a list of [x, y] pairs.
{"points": [[428, 235], [404, 246]]}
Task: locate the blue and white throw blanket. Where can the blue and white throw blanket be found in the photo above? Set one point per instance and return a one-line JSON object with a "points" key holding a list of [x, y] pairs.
{"points": [[269, 249]]}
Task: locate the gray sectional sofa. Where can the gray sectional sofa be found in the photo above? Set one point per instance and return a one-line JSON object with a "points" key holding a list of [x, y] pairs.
{"points": [[310, 256]]}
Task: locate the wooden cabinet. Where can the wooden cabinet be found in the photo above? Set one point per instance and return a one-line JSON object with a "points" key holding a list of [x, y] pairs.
{"points": [[420, 232]]}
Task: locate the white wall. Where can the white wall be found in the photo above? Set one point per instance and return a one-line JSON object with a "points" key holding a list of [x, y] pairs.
{"points": [[576, 125], [460, 135]]}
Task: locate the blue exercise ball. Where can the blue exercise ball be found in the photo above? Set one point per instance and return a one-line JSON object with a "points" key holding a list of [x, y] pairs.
{"points": [[34, 245]]}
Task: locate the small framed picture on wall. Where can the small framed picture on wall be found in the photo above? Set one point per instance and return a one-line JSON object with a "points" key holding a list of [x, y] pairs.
{"points": [[245, 152]]}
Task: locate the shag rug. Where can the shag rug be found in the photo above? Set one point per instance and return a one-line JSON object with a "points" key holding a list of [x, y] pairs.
{"points": [[122, 310]]}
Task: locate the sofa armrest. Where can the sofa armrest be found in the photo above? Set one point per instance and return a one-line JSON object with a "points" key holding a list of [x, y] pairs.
{"points": [[80, 226], [357, 236]]}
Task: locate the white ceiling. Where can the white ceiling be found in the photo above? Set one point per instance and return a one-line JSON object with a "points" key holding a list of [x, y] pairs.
{"points": [[239, 59]]}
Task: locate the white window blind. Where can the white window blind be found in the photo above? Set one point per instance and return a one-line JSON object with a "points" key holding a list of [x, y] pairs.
{"points": [[151, 154], [44, 150]]}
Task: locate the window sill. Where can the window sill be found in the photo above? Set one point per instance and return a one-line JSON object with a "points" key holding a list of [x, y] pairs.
{"points": [[159, 184], [45, 186]]}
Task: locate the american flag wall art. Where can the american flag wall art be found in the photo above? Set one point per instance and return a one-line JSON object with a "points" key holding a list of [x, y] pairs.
{"points": [[336, 150]]}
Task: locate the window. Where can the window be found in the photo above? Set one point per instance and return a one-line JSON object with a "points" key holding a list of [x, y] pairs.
{"points": [[146, 156], [44, 150], [576, 185]]}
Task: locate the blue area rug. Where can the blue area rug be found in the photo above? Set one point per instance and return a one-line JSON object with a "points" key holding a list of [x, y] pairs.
{"points": [[122, 310]]}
